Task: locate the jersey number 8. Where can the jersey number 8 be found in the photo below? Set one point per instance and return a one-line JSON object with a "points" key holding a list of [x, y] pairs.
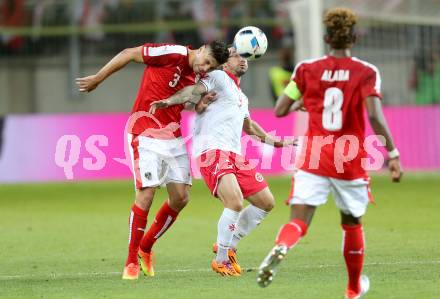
{"points": [[332, 114]]}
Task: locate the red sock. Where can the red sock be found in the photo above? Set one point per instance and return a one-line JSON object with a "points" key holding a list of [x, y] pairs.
{"points": [[165, 217], [136, 225], [291, 232], [353, 246]]}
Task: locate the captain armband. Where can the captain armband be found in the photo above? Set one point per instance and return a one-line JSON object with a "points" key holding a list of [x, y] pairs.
{"points": [[292, 91]]}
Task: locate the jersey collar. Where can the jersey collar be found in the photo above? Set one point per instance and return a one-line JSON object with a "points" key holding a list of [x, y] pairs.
{"points": [[233, 77]]}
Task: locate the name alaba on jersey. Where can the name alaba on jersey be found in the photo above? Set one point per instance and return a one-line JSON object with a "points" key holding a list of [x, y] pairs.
{"points": [[333, 91]]}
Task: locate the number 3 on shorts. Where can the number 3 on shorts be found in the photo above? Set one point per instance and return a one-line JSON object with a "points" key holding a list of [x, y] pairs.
{"points": [[332, 114]]}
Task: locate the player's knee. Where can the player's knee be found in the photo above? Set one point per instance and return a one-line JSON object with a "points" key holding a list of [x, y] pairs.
{"points": [[264, 201], [144, 197], [184, 199], [268, 204], [232, 198], [347, 219], [236, 205], [235, 201], [180, 200]]}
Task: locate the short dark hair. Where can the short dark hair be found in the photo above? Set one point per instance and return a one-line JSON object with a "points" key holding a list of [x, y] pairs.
{"points": [[219, 51]]}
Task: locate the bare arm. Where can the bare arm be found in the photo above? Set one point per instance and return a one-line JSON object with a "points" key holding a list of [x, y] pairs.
{"points": [[204, 102], [285, 105], [289, 100], [191, 94], [380, 127], [89, 83], [189, 106], [378, 122], [282, 107], [252, 128]]}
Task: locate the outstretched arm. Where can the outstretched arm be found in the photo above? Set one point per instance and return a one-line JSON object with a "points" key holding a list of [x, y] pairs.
{"points": [[89, 83], [191, 94], [380, 127], [252, 128]]}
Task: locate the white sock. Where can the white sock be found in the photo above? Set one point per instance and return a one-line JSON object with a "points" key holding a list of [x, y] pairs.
{"points": [[249, 218], [226, 227]]}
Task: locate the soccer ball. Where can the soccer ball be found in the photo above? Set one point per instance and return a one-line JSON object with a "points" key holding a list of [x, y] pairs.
{"points": [[250, 42]]}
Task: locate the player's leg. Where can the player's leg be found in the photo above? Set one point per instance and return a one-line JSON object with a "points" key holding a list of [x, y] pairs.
{"points": [[260, 205], [229, 193], [288, 236], [255, 189], [138, 221], [146, 170], [136, 228], [353, 251], [310, 191], [218, 172], [352, 199], [300, 218], [167, 214], [176, 175]]}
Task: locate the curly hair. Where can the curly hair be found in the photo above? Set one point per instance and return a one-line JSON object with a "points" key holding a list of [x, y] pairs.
{"points": [[219, 51], [340, 23]]}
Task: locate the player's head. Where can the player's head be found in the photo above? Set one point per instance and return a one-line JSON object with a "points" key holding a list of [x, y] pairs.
{"points": [[210, 56], [236, 64], [339, 24]]}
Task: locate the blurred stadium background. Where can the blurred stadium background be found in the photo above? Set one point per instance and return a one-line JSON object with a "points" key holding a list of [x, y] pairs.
{"points": [[47, 43], [53, 234]]}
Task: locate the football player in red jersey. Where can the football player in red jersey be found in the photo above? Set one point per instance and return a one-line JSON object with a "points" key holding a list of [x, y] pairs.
{"points": [[157, 149], [334, 90], [228, 174]]}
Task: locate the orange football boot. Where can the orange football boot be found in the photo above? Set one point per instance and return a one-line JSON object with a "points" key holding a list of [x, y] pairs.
{"points": [[232, 254], [224, 269], [131, 272], [147, 261]]}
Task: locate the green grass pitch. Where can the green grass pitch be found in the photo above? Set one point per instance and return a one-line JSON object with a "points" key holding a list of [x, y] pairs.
{"points": [[69, 240]]}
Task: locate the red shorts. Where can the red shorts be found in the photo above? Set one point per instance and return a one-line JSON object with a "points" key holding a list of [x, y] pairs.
{"points": [[214, 164]]}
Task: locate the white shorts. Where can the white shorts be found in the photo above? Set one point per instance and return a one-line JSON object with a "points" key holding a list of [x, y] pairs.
{"points": [[159, 162], [351, 196]]}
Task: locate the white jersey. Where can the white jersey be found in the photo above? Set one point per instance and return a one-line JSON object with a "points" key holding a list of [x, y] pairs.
{"points": [[221, 125]]}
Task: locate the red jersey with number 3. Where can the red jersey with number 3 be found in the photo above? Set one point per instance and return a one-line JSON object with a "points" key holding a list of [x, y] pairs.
{"points": [[167, 72], [334, 90]]}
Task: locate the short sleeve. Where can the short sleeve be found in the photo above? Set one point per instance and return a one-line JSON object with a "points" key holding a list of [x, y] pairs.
{"points": [[162, 54], [245, 107], [246, 112], [209, 80], [298, 77], [371, 85]]}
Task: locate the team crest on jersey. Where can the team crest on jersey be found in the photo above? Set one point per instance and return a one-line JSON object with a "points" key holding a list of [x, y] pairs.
{"points": [[259, 177]]}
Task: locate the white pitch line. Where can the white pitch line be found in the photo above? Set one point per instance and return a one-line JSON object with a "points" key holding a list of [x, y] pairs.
{"points": [[93, 274]]}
